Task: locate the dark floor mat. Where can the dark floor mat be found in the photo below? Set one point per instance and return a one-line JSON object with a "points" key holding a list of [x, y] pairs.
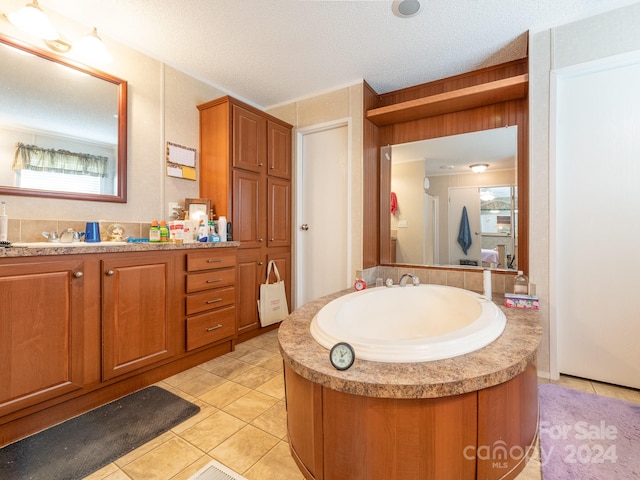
{"points": [[84, 444]]}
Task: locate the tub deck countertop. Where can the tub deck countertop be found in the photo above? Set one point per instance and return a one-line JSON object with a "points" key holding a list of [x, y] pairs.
{"points": [[496, 363]]}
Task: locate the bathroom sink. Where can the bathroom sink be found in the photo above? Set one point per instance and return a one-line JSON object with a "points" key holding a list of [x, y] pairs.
{"points": [[67, 244]]}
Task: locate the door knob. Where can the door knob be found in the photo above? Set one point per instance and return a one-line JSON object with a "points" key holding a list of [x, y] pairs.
{"points": [[304, 227]]}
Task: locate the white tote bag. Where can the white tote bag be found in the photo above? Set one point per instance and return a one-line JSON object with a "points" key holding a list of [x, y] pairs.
{"points": [[272, 304]]}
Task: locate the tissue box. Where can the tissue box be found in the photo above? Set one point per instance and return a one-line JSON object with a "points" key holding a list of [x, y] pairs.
{"points": [[517, 300]]}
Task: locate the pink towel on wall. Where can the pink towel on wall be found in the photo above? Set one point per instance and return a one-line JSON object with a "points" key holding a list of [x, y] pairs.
{"points": [[394, 203]]}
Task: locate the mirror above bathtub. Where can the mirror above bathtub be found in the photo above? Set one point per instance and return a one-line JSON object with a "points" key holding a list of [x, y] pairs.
{"points": [[432, 183], [63, 127]]}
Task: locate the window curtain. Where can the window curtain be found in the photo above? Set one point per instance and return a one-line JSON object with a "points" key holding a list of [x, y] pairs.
{"points": [[31, 157]]}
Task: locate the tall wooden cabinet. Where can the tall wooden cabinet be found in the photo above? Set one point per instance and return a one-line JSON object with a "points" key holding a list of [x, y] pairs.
{"points": [[245, 170]]}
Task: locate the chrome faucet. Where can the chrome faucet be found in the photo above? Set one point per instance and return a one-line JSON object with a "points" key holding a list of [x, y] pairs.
{"points": [[403, 280]]}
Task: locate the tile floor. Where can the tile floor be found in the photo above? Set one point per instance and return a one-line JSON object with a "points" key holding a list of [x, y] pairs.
{"points": [[242, 421]]}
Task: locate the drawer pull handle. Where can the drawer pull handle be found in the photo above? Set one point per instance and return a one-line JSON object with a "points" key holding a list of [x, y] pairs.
{"points": [[214, 280], [214, 300], [209, 329], [214, 260]]}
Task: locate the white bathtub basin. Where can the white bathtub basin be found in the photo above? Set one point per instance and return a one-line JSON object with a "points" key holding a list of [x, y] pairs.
{"points": [[409, 324]]}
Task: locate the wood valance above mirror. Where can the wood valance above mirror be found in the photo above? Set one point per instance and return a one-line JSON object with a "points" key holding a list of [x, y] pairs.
{"points": [[505, 107]]}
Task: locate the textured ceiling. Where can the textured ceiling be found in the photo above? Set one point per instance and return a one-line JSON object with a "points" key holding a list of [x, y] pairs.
{"points": [[272, 51]]}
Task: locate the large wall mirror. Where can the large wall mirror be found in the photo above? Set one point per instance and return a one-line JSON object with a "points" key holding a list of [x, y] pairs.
{"points": [[63, 127], [444, 214]]}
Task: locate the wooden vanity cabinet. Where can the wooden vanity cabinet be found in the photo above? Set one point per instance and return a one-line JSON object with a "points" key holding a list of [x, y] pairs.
{"points": [[246, 173], [211, 297], [42, 342], [138, 312]]}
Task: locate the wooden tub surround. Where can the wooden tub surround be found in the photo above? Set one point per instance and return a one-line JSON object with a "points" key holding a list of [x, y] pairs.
{"points": [[470, 417]]}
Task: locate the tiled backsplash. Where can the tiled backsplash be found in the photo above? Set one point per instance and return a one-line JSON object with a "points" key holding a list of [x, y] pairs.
{"points": [[501, 281], [31, 230]]}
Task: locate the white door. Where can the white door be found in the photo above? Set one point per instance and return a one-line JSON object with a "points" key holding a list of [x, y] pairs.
{"points": [[597, 199], [459, 198], [322, 254]]}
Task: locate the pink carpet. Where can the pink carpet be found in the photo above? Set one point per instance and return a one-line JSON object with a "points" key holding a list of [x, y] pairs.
{"points": [[587, 437]]}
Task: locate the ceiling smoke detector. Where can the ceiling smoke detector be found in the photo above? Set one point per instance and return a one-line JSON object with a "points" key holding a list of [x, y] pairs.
{"points": [[406, 8]]}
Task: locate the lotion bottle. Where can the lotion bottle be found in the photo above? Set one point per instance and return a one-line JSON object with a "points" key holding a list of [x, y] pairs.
{"points": [[4, 222]]}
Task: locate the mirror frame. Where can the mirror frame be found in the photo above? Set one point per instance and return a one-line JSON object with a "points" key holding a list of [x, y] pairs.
{"points": [[121, 185]]}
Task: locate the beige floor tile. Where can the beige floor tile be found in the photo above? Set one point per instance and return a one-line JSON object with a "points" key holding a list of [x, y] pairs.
{"points": [[243, 449], [224, 394], [257, 356], [231, 368], [118, 475], [104, 472], [255, 377], [614, 391], [206, 410], [274, 420], [250, 406], [276, 464], [274, 363], [575, 383], [273, 387], [201, 384], [212, 431], [163, 462], [144, 449], [241, 349], [183, 377], [188, 472]]}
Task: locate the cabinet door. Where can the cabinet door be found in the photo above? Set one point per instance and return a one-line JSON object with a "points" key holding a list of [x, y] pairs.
{"points": [[137, 313], [249, 209], [41, 332], [279, 150], [282, 259], [250, 271], [249, 140], [279, 212]]}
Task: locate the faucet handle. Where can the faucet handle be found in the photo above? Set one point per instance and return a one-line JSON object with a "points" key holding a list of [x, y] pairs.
{"points": [[388, 282]]}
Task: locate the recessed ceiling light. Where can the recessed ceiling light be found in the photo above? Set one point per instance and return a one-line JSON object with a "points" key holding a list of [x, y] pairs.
{"points": [[406, 8]]}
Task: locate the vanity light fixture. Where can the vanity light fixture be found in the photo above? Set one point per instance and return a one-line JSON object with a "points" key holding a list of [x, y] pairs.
{"points": [[479, 167], [32, 20], [91, 49]]}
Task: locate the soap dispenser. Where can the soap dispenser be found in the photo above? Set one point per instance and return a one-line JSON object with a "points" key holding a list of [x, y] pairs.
{"points": [[4, 222]]}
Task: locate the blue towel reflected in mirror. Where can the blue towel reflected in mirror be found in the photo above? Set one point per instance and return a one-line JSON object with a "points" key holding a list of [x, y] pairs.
{"points": [[464, 234]]}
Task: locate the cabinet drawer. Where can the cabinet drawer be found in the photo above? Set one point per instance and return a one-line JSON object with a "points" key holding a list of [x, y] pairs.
{"points": [[210, 299], [212, 258], [212, 279], [210, 327]]}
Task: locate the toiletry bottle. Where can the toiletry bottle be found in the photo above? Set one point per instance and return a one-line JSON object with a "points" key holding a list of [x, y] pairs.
{"points": [[521, 284], [203, 232], [222, 228], [4, 222], [164, 232], [188, 229], [154, 232]]}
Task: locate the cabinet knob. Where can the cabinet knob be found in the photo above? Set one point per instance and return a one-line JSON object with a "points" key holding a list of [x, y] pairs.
{"points": [[272, 167], [260, 263], [260, 164], [272, 239], [78, 274], [261, 240], [109, 272]]}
